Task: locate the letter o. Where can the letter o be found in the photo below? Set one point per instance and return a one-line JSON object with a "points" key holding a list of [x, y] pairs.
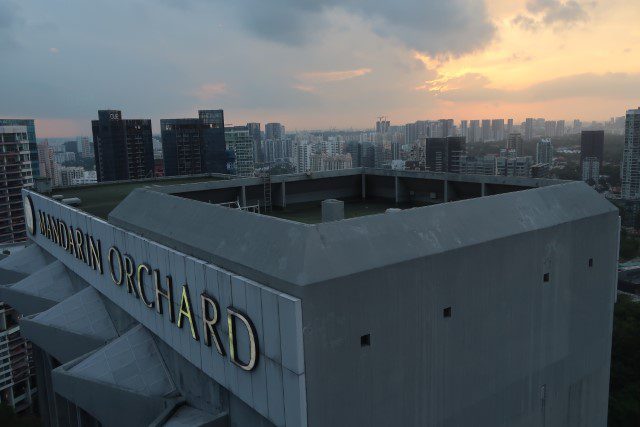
{"points": [[113, 250]]}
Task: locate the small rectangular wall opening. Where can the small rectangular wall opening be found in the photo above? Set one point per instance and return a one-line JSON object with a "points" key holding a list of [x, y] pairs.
{"points": [[365, 340], [546, 277], [446, 312], [590, 262]]}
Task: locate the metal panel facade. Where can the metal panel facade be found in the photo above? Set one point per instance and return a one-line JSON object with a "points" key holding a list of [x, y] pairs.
{"points": [[275, 387]]}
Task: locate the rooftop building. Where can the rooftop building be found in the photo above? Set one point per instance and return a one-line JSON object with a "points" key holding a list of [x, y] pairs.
{"points": [[191, 308]]}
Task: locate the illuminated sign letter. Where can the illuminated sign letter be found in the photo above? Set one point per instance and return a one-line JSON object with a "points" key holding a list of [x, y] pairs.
{"points": [[80, 246], [64, 235], [128, 272], [140, 283], [72, 245], [55, 232], [95, 254], [253, 345], [43, 223], [209, 322], [185, 311], [113, 251], [168, 294]]}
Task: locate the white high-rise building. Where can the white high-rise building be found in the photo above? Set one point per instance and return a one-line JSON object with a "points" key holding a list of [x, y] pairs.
{"points": [[631, 156], [239, 140], [590, 169], [302, 156], [544, 151]]}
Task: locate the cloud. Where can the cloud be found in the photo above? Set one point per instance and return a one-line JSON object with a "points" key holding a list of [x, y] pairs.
{"points": [[552, 13], [526, 23], [443, 84], [474, 87], [210, 91], [437, 27], [10, 20], [333, 76], [304, 88]]}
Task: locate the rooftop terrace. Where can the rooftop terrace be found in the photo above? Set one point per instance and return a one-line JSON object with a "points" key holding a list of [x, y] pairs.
{"points": [[298, 197], [100, 199]]}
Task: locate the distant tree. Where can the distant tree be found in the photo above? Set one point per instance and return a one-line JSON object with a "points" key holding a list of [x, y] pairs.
{"points": [[629, 246], [624, 389], [10, 419]]}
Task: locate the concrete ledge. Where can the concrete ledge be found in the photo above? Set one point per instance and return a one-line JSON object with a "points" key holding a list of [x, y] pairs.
{"points": [[61, 344], [110, 405]]}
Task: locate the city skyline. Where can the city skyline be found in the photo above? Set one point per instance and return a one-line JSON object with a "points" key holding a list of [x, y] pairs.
{"points": [[321, 66]]}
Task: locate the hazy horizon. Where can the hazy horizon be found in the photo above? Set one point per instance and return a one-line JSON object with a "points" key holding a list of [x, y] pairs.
{"points": [[317, 65]]}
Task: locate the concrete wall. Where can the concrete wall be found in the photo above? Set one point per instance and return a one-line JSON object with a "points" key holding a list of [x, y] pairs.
{"points": [[516, 351]]}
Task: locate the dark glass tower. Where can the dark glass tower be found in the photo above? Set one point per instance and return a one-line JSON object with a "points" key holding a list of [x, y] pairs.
{"points": [[123, 148], [443, 154], [182, 146], [592, 145], [215, 154], [194, 145]]}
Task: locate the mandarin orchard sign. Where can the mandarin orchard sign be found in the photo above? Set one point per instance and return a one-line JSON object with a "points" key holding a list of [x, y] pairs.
{"points": [[153, 288]]}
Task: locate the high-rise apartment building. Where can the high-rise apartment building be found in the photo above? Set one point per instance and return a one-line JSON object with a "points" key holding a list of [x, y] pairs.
{"points": [[46, 159], [17, 371], [514, 142], [411, 133], [443, 154], [544, 151], [631, 156], [123, 147], [486, 131], [497, 129], [560, 128], [302, 156], [474, 135], [446, 127], [256, 136], [382, 125], [71, 146], [182, 146], [509, 128], [549, 128], [215, 155], [240, 143], [577, 126], [274, 131], [592, 145], [31, 136], [15, 173], [464, 129], [194, 145], [354, 148], [87, 148], [528, 129], [591, 154]]}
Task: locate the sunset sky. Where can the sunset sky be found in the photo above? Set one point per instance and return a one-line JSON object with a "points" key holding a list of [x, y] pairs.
{"points": [[313, 64]]}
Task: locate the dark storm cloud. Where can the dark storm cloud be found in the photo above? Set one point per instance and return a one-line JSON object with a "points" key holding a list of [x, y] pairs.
{"points": [[432, 26]]}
